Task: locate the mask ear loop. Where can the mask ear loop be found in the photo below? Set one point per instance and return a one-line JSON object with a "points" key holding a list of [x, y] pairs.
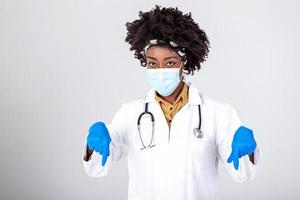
{"points": [[183, 73]]}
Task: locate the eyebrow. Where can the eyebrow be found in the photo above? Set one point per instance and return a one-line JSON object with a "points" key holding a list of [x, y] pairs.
{"points": [[166, 58]]}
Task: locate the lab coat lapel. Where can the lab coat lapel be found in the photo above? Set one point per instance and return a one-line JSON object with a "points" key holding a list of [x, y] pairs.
{"points": [[180, 125]]}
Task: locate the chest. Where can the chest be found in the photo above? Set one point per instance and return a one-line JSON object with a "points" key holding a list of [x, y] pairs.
{"points": [[153, 127], [176, 149]]}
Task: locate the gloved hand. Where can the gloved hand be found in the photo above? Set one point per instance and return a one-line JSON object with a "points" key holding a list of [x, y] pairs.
{"points": [[243, 143], [99, 140]]}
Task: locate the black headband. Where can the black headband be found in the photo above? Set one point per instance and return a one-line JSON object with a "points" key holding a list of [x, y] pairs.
{"points": [[179, 50]]}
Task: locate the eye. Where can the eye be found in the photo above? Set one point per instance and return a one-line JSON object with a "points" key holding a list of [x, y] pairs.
{"points": [[151, 64], [171, 63]]}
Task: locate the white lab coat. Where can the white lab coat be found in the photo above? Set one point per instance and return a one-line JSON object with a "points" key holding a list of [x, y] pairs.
{"points": [[180, 166]]}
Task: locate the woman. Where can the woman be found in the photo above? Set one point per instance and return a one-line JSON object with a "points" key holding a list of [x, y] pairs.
{"points": [[175, 136]]}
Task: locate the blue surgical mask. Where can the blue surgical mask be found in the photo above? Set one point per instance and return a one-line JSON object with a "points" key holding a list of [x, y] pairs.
{"points": [[164, 80]]}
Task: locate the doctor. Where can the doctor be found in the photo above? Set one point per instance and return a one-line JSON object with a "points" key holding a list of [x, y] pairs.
{"points": [[175, 136]]}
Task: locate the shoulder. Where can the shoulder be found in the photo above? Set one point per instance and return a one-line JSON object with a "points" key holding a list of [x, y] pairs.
{"points": [[223, 112], [212, 101], [132, 104], [220, 107]]}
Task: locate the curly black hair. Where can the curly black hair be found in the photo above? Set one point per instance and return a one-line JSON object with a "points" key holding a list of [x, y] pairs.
{"points": [[169, 24]]}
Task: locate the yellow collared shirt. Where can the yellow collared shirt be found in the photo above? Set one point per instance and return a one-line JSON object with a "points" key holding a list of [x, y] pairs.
{"points": [[169, 109]]}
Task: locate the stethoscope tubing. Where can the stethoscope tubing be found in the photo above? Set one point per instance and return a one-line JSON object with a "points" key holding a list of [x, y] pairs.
{"points": [[197, 131]]}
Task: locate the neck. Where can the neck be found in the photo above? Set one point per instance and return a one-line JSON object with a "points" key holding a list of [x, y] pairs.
{"points": [[172, 97]]}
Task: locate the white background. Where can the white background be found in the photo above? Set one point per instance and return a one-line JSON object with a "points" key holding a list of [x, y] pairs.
{"points": [[65, 64]]}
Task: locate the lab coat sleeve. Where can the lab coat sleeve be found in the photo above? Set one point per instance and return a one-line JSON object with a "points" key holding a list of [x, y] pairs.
{"points": [[228, 122], [118, 147]]}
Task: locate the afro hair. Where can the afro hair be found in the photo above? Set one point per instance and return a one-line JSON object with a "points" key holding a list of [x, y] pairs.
{"points": [[168, 24]]}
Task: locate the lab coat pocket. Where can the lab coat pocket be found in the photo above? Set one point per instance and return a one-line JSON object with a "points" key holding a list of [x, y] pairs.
{"points": [[202, 157]]}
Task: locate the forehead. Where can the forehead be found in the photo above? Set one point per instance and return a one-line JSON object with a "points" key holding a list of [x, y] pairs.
{"points": [[160, 51]]}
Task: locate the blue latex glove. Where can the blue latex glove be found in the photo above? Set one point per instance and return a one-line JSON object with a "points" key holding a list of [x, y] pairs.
{"points": [[243, 144], [99, 140]]}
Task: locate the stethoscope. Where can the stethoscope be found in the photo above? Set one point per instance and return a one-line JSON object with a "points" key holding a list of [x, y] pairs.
{"points": [[197, 131]]}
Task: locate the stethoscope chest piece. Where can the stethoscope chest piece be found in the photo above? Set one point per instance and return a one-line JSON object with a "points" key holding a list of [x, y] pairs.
{"points": [[198, 133]]}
